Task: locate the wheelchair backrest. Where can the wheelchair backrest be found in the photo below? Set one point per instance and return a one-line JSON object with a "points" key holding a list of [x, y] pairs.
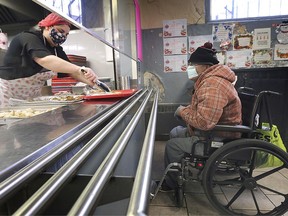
{"points": [[248, 103], [255, 107]]}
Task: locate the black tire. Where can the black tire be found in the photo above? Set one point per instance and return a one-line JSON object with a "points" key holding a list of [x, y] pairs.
{"points": [[246, 182]]}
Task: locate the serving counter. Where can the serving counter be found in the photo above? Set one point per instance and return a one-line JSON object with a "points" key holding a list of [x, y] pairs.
{"points": [[79, 159], [22, 141]]}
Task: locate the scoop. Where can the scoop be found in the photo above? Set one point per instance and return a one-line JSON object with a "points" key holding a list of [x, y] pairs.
{"points": [[98, 84], [103, 86]]}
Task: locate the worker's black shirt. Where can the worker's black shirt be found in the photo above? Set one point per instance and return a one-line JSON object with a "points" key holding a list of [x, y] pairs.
{"points": [[18, 61]]}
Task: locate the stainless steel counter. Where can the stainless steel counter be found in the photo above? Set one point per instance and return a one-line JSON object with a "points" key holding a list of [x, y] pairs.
{"points": [[94, 154], [25, 140]]}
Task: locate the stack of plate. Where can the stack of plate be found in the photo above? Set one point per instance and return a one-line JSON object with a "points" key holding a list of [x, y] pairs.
{"points": [[63, 84], [78, 60]]}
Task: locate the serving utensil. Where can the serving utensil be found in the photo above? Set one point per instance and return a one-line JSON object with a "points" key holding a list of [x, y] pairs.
{"points": [[98, 84]]}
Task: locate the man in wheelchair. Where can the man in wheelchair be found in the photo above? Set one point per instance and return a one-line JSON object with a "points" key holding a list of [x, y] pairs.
{"points": [[215, 101], [240, 173]]}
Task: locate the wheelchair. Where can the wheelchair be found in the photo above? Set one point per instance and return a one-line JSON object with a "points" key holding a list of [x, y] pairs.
{"points": [[229, 170]]}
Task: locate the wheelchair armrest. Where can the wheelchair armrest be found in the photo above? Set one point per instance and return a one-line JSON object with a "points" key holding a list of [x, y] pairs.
{"points": [[233, 128]]}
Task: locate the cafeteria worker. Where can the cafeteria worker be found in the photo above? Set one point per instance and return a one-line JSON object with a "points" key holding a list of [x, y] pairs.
{"points": [[22, 76]]}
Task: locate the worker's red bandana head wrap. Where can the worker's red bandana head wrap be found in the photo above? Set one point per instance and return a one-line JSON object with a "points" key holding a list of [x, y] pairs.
{"points": [[53, 19]]}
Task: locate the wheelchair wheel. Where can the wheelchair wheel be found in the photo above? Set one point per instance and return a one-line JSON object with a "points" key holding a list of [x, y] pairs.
{"points": [[235, 183]]}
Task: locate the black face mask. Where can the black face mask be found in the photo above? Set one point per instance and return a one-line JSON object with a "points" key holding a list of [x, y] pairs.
{"points": [[56, 37]]}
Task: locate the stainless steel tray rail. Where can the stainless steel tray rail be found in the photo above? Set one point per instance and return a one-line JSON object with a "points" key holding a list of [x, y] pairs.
{"points": [[92, 191], [140, 194], [21, 177], [48, 190]]}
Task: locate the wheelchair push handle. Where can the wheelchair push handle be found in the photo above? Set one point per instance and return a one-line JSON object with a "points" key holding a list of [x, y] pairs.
{"points": [[241, 89], [270, 93], [249, 90]]}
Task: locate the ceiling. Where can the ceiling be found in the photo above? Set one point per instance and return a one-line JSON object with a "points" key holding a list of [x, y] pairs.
{"points": [[20, 11], [15, 12]]}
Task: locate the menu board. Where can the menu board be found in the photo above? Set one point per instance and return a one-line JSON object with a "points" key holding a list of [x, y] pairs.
{"points": [[243, 41], [239, 48], [281, 52], [239, 59], [175, 46], [197, 41], [262, 57], [176, 63], [175, 28], [262, 38], [222, 32]]}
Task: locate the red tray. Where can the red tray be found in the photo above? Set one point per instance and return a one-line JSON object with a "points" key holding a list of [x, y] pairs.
{"points": [[115, 94]]}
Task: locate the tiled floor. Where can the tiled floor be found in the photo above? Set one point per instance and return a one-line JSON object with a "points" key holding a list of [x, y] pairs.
{"points": [[195, 202]]}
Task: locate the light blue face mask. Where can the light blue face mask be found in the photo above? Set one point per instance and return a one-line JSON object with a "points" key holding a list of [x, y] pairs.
{"points": [[191, 71]]}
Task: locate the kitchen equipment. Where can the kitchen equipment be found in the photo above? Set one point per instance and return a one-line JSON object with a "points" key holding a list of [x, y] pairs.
{"points": [[125, 82], [63, 84], [78, 90]]}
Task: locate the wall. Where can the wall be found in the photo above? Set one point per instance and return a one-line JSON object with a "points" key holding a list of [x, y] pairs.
{"points": [[153, 12], [177, 85], [97, 53], [174, 87]]}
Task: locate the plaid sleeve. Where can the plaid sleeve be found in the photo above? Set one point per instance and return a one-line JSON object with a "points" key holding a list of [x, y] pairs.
{"points": [[206, 108]]}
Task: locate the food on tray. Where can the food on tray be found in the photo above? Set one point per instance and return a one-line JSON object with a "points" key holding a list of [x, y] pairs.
{"points": [[48, 100], [95, 91], [22, 113], [67, 98], [100, 92], [63, 93], [60, 98]]}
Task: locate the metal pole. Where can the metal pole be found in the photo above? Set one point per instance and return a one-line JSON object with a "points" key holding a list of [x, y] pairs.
{"points": [[22, 176], [139, 199], [89, 196], [38, 200]]}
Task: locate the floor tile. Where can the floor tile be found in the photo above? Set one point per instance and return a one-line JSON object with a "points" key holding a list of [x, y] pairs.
{"points": [[198, 204], [164, 199], [245, 200], [284, 172], [158, 160], [173, 211], [194, 187], [196, 200], [276, 181], [276, 200]]}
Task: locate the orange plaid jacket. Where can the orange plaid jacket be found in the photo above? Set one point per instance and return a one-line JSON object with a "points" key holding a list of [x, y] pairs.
{"points": [[215, 101]]}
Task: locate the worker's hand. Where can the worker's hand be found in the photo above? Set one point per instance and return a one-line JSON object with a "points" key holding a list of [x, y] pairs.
{"points": [[177, 113], [90, 74]]}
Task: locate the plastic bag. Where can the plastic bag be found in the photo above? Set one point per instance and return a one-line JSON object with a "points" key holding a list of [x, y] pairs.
{"points": [[264, 159]]}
